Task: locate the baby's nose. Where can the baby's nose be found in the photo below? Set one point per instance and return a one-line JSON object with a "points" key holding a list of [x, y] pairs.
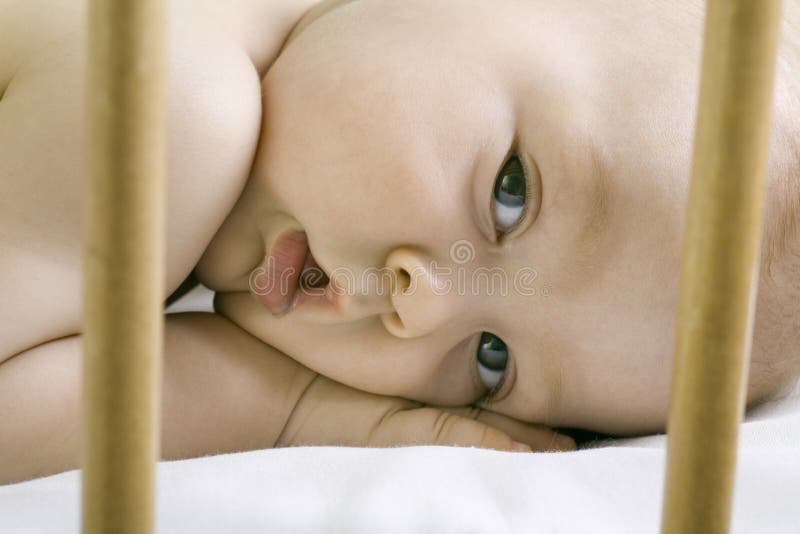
{"points": [[422, 298], [357, 305]]}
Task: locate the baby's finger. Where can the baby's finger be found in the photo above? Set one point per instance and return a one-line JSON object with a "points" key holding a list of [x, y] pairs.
{"points": [[330, 413], [539, 437], [432, 426]]}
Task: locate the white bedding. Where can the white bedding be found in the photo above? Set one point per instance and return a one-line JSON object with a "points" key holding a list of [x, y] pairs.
{"points": [[613, 488]]}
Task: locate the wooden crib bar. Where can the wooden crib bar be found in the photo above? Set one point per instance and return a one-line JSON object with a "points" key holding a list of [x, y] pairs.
{"points": [[124, 241], [720, 263]]}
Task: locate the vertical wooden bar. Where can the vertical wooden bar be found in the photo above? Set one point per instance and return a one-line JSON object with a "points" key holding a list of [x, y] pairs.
{"points": [[124, 245], [720, 263]]}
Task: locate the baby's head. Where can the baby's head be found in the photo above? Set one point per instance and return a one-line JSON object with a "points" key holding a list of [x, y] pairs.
{"points": [[518, 168]]}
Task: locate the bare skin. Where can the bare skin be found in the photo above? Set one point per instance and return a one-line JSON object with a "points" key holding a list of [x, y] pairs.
{"points": [[384, 155], [224, 390], [390, 125]]}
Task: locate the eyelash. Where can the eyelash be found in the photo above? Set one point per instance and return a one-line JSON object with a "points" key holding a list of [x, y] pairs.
{"points": [[499, 234], [495, 392], [492, 394]]}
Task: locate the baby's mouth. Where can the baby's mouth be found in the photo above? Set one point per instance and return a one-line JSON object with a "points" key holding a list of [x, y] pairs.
{"points": [[289, 271]]}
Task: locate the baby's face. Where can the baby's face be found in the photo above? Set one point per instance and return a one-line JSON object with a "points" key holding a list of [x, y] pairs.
{"points": [[523, 165]]}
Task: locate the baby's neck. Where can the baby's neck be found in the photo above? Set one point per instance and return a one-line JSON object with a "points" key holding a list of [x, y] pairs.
{"points": [[263, 26], [320, 8]]}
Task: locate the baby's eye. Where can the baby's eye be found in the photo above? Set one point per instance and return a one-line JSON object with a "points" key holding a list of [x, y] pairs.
{"points": [[510, 195], [492, 359]]}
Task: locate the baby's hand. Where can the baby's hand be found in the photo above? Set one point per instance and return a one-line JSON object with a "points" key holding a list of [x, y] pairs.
{"points": [[330, 413]]}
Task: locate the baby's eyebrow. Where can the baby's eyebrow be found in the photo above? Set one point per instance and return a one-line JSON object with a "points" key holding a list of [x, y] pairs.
{"points": [[597, 204], [784, 243], [585, 255]]}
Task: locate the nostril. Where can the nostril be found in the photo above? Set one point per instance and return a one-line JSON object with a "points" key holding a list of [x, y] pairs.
{"points": [[393, 323], [418, 308], [403, 280]]}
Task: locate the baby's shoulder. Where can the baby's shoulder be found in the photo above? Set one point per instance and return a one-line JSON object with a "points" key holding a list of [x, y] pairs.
{"points": [[214, 119]]}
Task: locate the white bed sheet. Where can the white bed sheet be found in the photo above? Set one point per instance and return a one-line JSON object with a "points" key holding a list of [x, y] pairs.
{"points": [[612, 488]]}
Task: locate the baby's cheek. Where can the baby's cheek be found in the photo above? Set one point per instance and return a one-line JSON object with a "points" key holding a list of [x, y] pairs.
{"points": [[351, 358], [362, 355]]}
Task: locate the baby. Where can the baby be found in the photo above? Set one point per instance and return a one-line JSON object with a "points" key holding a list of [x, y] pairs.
{"points": [[445, 222]]}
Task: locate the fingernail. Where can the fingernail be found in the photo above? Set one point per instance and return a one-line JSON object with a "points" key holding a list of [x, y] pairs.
{"points": [[516, 446], [565, 443]]}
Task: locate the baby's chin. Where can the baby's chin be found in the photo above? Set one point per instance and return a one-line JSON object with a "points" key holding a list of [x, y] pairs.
{"points": [[244, 311]]}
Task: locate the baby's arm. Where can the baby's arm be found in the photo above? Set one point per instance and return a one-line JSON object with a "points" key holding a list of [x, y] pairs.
{"points": [[223, 391], [226, 391]]}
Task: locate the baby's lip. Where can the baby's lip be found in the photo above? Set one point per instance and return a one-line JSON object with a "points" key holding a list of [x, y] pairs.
{"points": [[291, 278], [278, 282]]}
